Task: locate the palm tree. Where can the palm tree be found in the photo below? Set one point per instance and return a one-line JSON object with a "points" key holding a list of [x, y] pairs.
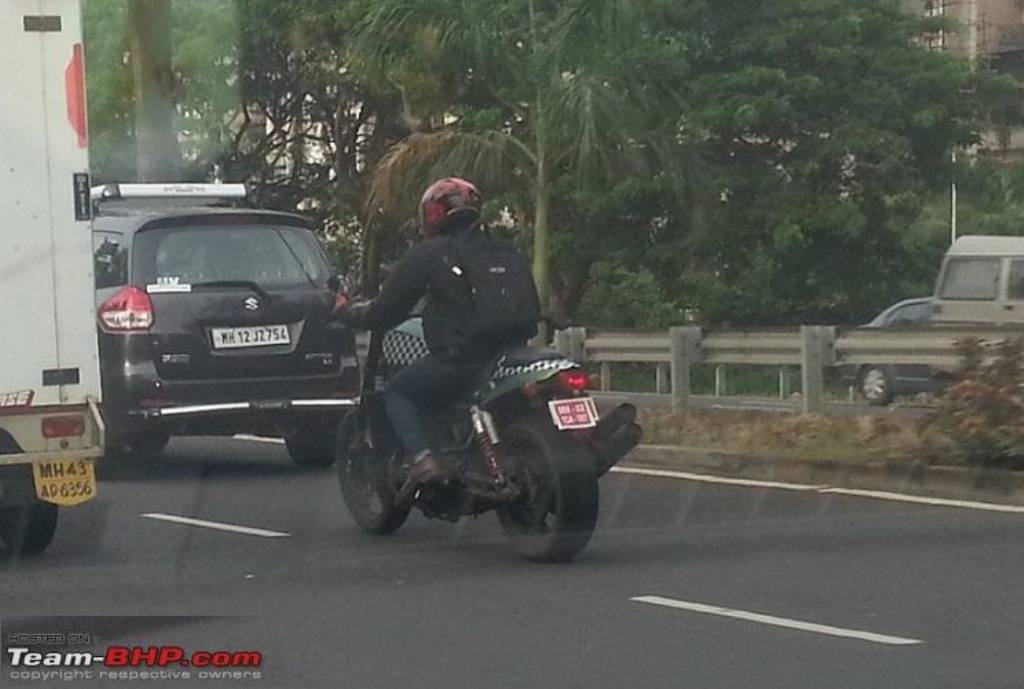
{"points": [[158, 158], [518, 94]]}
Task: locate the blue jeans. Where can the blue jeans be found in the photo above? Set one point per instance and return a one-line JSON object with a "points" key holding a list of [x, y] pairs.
{"points": [[430, 383]]}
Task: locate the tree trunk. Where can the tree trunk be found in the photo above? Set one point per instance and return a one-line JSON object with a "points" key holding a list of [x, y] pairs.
{"points": [[542, 235], [157, 156], [370, 268]]}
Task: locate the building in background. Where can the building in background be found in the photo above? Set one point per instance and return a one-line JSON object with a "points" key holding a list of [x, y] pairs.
{"points": [[989, 33]]}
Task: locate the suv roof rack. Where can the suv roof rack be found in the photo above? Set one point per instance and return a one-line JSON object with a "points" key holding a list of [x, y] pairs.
{"points": [[167, 193]]}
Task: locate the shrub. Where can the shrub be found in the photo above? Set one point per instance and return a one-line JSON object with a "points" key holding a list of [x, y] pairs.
{"points": [[980, 419]]}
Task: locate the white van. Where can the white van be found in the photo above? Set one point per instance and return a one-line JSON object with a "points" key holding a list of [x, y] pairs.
{"points": [[981, 281], [50, 428]]}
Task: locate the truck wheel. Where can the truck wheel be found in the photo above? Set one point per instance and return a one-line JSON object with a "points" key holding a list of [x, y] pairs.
{"points": [[29, 528]]}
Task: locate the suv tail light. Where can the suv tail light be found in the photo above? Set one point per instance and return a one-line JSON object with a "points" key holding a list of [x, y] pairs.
{"points": [[130, 310]]}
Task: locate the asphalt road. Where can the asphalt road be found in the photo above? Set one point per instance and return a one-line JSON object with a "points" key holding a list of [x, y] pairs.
{"points": [[450, 607]]}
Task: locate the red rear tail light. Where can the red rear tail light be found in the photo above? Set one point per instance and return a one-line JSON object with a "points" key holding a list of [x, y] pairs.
{"points": [[130, 310], [63, 426], [575, 381]]}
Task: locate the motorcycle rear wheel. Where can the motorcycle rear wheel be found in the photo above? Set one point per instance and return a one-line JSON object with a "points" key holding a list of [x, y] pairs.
{"points": [[556, 517], [363, 477]]}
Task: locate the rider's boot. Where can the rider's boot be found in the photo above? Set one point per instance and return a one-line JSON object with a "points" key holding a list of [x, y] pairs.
{"points": [[425, 469]]}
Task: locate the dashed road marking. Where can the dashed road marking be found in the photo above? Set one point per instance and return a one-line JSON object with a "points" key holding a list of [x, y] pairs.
{"points": [[259, 439], [220, 526], [784, 622]]}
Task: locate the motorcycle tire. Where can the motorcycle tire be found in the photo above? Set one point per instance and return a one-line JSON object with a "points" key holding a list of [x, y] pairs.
{"points": [[363, 477], [556, 517]]}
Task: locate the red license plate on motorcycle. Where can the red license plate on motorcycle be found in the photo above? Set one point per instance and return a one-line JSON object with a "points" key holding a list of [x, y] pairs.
{"points": [[574, 414]]}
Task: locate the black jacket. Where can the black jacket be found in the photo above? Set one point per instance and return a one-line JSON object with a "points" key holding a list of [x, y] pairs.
{"points": [[426, 271]]}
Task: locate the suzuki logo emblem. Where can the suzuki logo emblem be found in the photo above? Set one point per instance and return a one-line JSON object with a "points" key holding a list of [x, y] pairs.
{"points": [[251, 304]]}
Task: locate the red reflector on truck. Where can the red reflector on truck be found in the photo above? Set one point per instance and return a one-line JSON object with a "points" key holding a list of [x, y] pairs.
{"points": [[74, 92], [63, 426]]}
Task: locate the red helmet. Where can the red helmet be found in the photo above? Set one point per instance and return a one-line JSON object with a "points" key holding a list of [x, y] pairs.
{"points": [[446, 199]]}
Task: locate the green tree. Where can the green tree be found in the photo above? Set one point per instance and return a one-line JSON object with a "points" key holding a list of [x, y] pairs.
{"points": [[263, 91], [520, 94], [816, 155]]}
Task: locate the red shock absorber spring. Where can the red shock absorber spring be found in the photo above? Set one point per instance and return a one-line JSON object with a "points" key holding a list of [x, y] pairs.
{"points": [[483, 428]]}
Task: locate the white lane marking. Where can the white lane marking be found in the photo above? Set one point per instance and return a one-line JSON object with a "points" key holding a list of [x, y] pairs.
{"points": [[220, 526], [778, 621], [925, 500], [706, 478], [259, 439], [807, 487]]}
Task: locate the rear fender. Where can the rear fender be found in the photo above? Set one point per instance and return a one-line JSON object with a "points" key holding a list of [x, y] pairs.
{"points": [[505, 381]]}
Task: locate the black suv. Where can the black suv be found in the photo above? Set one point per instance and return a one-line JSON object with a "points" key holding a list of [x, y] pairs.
{"points": [[216, 321]]}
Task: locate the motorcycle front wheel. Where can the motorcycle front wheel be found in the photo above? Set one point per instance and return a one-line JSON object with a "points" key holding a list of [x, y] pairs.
{"points": [[555, 518], [363, 477]]}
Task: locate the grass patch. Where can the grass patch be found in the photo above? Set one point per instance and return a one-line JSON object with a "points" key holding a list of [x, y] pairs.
{"points": [[854, 439]]}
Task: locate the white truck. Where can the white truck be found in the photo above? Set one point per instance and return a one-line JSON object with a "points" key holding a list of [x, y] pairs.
{"points": [[50, 427]]}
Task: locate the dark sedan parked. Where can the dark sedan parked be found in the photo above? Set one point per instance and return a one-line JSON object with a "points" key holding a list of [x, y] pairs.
{"points": [[880, 383], [216, 321]]}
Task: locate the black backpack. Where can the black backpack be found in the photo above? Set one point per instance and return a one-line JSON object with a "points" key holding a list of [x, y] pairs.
{"points": [[503, 306]]}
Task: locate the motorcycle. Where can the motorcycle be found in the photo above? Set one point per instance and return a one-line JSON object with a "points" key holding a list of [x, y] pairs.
{"points": [[525, 440]]}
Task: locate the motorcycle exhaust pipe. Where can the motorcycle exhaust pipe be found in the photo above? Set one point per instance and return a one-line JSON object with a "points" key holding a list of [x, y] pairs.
{"points": [[615, 419], [614, 437]]}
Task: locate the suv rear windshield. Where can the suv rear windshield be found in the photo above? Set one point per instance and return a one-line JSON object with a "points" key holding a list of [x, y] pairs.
{"points": [[974, 279], [270, 255]]}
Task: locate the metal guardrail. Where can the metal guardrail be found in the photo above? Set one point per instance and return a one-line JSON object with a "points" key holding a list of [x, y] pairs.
{"points": [[812, 349]]}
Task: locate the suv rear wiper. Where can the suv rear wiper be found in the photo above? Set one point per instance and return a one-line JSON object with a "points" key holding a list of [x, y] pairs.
{"points": [[244, 284]]}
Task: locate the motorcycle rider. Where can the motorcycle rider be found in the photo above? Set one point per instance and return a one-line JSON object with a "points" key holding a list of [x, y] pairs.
{"points": [[438, 268]]}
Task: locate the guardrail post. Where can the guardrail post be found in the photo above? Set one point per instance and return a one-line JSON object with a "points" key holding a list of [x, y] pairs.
{"points": [[817, 350], [541, 338], [562, 343], [685, 348], [606, 376], [660, 378], [783, 382], [577, 344], [719, 380]]}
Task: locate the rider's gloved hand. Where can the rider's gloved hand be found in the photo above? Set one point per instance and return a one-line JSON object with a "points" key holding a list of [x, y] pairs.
{"points": [[352, 313]]}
